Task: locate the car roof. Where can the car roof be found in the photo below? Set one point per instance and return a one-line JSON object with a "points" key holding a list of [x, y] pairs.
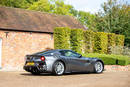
{"points": [[60, 49], [53, 50], [57, 50], [50, 51]]}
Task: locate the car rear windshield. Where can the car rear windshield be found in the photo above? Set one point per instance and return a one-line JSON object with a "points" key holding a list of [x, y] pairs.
{"points": [[44, 52]]}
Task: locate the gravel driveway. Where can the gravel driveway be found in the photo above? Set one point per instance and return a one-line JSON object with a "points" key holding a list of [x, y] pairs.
{"points": [[106, 79]]}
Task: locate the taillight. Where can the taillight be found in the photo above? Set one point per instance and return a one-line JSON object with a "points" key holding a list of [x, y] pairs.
{"points": [[42, 58]]}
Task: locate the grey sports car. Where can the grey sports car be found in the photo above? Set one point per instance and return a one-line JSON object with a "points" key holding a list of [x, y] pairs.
{"points": [[61, 61]]}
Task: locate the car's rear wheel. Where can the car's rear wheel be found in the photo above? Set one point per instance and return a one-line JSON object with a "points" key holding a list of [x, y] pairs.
{"points": [[98, 67], [58, 68]]}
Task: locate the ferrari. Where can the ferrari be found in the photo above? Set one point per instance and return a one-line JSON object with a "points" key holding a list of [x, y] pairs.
{"points": [[60, 61]]}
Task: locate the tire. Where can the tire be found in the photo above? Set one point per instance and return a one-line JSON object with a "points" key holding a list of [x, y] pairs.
{"points": [[35, 72], [98, 67], [58, 68]]}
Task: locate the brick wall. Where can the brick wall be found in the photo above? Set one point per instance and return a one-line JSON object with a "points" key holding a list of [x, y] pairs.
{"points": [[15, 45]]}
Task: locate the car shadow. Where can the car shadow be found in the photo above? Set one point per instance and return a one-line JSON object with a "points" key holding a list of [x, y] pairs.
{"points": [[50, 74], [43, 74], [79, 73]]}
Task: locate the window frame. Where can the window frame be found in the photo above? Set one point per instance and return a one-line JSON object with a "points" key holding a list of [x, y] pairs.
{"points": [[77, 55]]}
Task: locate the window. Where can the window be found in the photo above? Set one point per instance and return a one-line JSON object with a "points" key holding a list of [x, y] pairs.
{"points": [[69, 53], [51, 36]]}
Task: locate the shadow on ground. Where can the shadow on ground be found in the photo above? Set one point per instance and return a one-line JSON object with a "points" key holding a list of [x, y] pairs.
{"points": [[50, 74]]}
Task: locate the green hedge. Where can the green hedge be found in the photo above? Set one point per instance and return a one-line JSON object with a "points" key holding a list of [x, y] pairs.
{"points": [[119, 44], [100, 42], [88, 41], [76, 40], [119, 40], [123, 62], [110, 59], [127, 41], [111, 42], [62, 38]]}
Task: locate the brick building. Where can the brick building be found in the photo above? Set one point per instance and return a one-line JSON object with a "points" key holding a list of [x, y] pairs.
{"points": [[24, 32]]}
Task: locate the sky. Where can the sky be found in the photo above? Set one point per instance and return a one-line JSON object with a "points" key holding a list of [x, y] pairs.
{"points": [[91, 6]]}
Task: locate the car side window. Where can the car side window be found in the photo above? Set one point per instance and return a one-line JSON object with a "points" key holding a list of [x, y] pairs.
{"points": [[69, 53], [62, 53]]}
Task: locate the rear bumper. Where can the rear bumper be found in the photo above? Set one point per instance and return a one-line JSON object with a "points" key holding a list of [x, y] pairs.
{"points": [[41, 68]]}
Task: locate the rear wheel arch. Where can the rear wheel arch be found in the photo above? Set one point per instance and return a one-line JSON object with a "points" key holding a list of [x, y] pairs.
{"points": [[62, 62], [101, 62], [53, 67]]}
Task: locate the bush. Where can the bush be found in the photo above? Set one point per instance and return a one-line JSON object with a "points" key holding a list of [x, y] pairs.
{"points": [[76, 40], [127, 41], [119, 40], [88, 41], [119, 43], [100, 42], [122, 62], [116, 50], [62, 38], [126, 51], [111, 42], [110, 59]]}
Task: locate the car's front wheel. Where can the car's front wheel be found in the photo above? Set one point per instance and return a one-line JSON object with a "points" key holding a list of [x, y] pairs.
{"points": [[98, 67], [58, 68]]}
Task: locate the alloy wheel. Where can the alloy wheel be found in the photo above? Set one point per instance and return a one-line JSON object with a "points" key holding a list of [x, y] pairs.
{"points": [[98, 67], [59, 68]]}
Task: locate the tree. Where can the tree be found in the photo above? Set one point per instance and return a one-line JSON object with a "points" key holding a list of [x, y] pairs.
{"points": [[17, 3], [62, 8], [51, 6], [41, 5], [114, 18], [87, 19]]}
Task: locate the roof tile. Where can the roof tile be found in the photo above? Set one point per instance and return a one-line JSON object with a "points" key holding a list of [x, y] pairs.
{"points": [[20, 19]]}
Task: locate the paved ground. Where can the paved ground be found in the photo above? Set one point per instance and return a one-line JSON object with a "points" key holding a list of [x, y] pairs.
{"points": [[106, 79]]}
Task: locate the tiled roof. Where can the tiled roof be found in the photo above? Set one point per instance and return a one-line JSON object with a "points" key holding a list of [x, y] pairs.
{"points": [[25, 20]]}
